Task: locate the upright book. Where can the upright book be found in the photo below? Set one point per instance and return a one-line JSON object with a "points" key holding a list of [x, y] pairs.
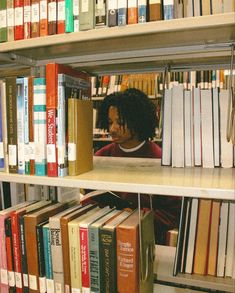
{"points": [[86, 14], [35, 19], [19, 19], [3, 26]]}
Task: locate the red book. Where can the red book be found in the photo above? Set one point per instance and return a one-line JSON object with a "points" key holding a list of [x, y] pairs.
{"points": [[27, 19], [35, 31], [60, 16], [52, 71], [19, 19], [43, 23]]}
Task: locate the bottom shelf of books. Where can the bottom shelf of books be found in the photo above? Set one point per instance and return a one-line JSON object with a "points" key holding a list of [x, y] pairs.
{"points": [[163, 273]]}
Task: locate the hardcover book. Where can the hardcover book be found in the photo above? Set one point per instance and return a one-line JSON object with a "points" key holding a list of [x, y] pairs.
{"points": [[52, 17], [31, 126], [112, 13], [27, 19], [86, 15], [10, 20], [132, 12], [3, 21], [43, 21], [60, 16], [35, 18], [19, 20], [122, 12], [155, 10]]}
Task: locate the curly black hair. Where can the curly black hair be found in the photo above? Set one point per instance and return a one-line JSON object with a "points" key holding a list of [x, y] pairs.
{"points": [[135, 110]]}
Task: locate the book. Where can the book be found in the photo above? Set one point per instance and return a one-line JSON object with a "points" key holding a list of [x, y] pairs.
{"points": [[223, 234], [206, 7], [188, 129], [106, 198], [4, 142], [10, 20], [2, 163], [128, 252], [86, 15], [60, 16], [197, 127], [214, 236], [3, 26], [39, 106], [35, 18], [100, 13], [207, 129], [168, 9], [84, 245], [75, 15], [18, 20], [69, 17], [11, 123], [43, 21], [112, 13], [216, 127], [30, 222], [132, 12], [52, 72], [94, 249], [202, 236], [155, 10], [52, 17], [108, 251], [230, 249], [31, 149], [122, 12], [27, 19]]}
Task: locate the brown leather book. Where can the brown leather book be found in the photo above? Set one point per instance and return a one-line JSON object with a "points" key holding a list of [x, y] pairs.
{"points": [[35, 19], [52, 17], [155, 10]]}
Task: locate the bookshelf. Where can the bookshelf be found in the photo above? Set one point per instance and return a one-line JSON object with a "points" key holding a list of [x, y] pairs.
{"points": [[194, 42]]}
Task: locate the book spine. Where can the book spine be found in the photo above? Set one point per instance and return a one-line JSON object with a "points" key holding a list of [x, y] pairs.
{"points": [[20, 125], [4, 287], [72, 121], [19, 19], [31, 127], [142, 11], [27, 19], [112, 13], [41, 259], [43, 22], [11, 123], [69, 17], [35, 17], [100, 13], [122, 12], [23, 256], [3, 21], [168, 9], [60, 16], [52, 17], [10, 20], [132, 16], [75, 15], [40, 126], [26, 127], [83, 232], [86, 15], [2, 160], [155, 10]]}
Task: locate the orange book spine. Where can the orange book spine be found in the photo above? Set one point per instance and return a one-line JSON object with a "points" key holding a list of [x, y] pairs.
{"points": [[35, 18], [43, 22], [132, 14], [27, 19], [19, 19], [60, 16]]}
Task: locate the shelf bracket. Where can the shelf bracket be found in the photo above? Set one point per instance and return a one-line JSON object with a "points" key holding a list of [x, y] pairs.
{"points": [[18, 59]]}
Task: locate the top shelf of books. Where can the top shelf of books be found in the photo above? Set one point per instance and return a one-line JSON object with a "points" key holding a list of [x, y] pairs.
{"points": [[182, 42], [144, 176]]}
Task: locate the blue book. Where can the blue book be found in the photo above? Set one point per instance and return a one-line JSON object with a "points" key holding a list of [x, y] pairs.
{"points": [[122, 12], [142, 11], [40, 131], [168, 9]]}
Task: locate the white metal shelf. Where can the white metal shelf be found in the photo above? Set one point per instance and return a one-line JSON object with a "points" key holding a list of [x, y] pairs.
{"points": [[144, 176]]}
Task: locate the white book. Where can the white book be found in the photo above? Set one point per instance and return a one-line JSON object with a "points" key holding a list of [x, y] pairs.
{"points": [[196, 7], [188, 129], [197, 126], [192, 236], [207, 129], [177, 126], [228, 6], [230, 251], [217, 6], [226, 147], [222, 239], [3, 115], [216, 135], [66, 194], [166, 135]]}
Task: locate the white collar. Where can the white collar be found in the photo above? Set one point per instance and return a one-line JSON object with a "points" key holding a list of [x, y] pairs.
{"points": [[132, 149]]}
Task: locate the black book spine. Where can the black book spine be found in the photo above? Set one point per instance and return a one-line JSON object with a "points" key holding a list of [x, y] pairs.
{"points": [[23, 256]]}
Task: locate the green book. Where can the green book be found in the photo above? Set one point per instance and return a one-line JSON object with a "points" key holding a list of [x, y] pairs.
{"points": [[86, 15], [3, 21], [69, 22]]}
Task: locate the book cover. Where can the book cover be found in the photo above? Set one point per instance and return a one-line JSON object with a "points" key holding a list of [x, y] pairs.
{"points": [[202, 237], [27, 19], [2, 160], [3, 21], [75, 15], [23, 256], [65, 241], [108, 251], [188, 129], [10, 20], [52, 17], [94, 250], [112, 13], [84, 246], [12, 123], [168, 9], [86, 15], [128, 251], [18, 19], [214, 236], [43, 21], [60, 16], [30, 222], [39, 106], [155, 10]]}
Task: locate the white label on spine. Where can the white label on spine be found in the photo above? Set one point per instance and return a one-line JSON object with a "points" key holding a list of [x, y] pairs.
{"points": [[85, 5], [71, 151], [11, 278], [122, 4], [1, 150], [25, 280], [61, 10], [112, 4], [19, 16], [58, 288], [3, 18], [67, 289], [27, 12], [132, 3], [35, 12], [4, 277], [33, 282], [76, 290], [168, 2], [12, 155], [43, 9], [100, 4], [31, 150], [155, 2], [50, 286], [61, 154], [51, 153], [86, 290], [52, 11], [42, 285], [10, 17], [18, 280], [26, 153]]}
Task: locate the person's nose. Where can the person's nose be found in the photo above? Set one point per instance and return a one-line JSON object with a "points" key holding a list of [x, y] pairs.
{"points": [[113, 127]]}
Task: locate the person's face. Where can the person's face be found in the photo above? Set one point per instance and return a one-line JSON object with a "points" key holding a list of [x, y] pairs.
{"points": [[119, 133]]}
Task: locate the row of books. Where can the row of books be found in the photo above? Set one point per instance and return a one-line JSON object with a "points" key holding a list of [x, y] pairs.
{"points": [[36, 18], [46, 123], [58, 247], [195, 128], [153, 84], [206, 241]]}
